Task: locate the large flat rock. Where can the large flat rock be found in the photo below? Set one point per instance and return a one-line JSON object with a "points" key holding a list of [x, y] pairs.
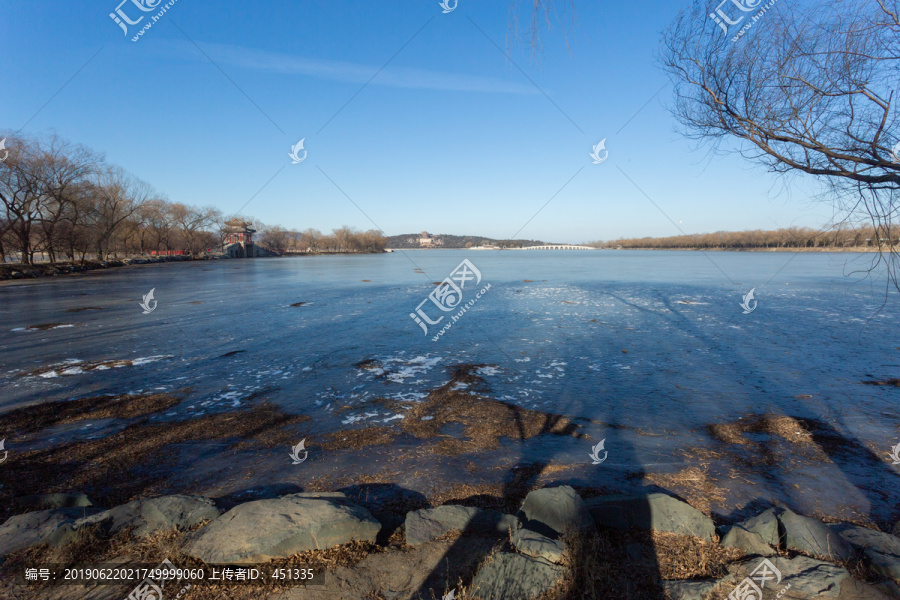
{"points": [[552, 511], [532, 543], [807, 577], [259, 531], [659, 512], [431, 523], [765, 525], [750, 542], [813, 537], [882, 549], [426, 571], [693, 589], [21, 531], [515, 577], [144, 517]]}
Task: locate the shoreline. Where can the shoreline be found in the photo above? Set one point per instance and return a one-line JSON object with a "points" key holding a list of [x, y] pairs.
{"points": [[19, 271], [660, 534]]}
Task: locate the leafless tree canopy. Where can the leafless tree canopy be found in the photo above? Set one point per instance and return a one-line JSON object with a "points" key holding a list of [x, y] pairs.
{"points": [[808, 87], [62, 200], [791, 237], [540, 14]]}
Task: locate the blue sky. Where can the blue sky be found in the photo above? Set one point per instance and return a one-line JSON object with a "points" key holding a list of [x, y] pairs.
{"points": [[449, 137]]}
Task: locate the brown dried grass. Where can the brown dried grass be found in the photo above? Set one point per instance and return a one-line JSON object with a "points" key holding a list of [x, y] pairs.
{"points": [[129, 464], [694, 485], [485, 420], [31, 419]]}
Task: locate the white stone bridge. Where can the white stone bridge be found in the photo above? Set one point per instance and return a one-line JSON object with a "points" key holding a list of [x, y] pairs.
{"points": [[557, 247]]}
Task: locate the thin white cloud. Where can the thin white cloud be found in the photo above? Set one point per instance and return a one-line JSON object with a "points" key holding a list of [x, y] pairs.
{"points": [[390, 76]]}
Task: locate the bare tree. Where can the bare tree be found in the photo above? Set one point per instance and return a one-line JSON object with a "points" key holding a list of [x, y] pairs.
{"points": [[114, 197], [22, 190], [275, 238], [802, 88], [192, 221], [64, 168]]}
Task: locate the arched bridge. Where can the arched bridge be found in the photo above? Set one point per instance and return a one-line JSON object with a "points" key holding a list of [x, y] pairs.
{"points": [[558, 247]]}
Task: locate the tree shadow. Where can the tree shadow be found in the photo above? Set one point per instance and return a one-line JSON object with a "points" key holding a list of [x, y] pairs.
{"points": [[592, 552]]}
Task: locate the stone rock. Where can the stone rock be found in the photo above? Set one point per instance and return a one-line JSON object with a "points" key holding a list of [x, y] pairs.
{"points": [[551, 511], [693, 590], [47, 501], [428, 570], [751, 543], [145, 517], [258, 531], [852, 589], [765, 525], [882, 549], [20, 531], [807, 577], [537, 545], [811, 536], [889, 588], [515, 577], [431, 523], [656, 511]]}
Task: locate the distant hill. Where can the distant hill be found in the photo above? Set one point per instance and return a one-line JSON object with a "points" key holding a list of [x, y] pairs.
{"points": [[411, 240]]}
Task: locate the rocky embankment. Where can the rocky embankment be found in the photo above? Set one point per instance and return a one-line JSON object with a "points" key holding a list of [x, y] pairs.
{"points": [[18, 271], [548, 549]]}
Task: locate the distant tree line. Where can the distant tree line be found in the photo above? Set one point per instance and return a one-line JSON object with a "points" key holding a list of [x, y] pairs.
{"points": [[313, 241], [63, 201], [792, 237]]}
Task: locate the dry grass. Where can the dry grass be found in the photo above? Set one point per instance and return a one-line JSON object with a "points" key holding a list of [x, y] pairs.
{"points": [[84, 366], [129, 464], [891, 382], [627, 565], [357, 439], [694, 485], [38, 417], [90, 549], [485, 421], [46, 326], [796, 431]]}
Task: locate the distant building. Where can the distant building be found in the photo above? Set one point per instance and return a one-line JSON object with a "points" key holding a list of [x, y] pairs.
{"points": [[238, 242], [426, 240]]}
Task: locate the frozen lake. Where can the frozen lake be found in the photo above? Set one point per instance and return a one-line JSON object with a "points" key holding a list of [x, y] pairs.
{"points": [[646, 348]]}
